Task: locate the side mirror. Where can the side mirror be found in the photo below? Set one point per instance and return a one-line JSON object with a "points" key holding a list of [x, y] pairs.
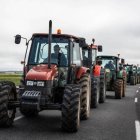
{"points": [[123, 61], [17, 39], [82, 42], [93, 40], [100, 48]]}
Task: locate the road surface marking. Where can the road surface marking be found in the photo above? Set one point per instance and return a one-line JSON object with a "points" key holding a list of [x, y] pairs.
{"points": [[18, 118], [137, 126], [137, 91], [136, 100]]}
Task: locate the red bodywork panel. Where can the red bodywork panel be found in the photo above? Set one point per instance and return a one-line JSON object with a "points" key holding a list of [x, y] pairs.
{"points": [[82, 71], [41, 72]]}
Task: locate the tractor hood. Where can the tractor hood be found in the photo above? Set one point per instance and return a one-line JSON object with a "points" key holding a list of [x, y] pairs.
{"points": [[41, 72]]}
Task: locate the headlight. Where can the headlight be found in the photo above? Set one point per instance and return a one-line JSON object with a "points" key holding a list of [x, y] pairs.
{"points": [[29, 83], [40, 83]]}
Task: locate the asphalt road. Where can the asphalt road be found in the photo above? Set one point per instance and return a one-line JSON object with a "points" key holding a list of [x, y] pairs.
{"points": [[113, 120]]}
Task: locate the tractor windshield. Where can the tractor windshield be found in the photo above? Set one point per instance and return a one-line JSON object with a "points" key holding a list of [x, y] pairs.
{"points": [[39, 51], [109, 63]]}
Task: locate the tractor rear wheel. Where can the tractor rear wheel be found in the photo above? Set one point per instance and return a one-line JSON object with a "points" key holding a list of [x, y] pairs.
{"points": [[7, 93], [71, 108], [118, 87], [94, 93], [102, 88], [85, 83]]}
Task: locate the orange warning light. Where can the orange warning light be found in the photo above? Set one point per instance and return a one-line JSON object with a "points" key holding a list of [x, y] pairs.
{"points": [[59, 31]]}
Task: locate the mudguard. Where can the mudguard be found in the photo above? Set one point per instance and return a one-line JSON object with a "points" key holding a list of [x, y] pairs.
{"points": [[82, 71]]}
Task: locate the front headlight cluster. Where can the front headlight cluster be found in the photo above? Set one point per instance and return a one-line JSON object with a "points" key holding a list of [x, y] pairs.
{"points": [[35, 83]]}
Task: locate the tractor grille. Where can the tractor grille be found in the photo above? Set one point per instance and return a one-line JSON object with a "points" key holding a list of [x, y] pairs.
{"points": [[31, 100], [31, 95]]}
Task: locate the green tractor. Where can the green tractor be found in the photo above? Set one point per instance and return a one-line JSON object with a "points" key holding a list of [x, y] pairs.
{"points": [[132, 76], [98, 85], [115, 75]]}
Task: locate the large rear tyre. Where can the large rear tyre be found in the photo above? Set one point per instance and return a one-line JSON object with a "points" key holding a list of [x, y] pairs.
{"points": [[94, 93], [85, 83], [118, 87], [102, 88], [7, 113], [71, 108]]}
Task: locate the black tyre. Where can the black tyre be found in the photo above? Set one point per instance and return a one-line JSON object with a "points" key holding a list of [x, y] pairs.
{"points": [[102, 88], [85, 83], [118, 87], [132, 80], [71, 108], [7, 113], [94, 93]]}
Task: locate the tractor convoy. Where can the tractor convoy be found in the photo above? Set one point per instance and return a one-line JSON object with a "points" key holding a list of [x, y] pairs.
{"points": [[62, 72]]}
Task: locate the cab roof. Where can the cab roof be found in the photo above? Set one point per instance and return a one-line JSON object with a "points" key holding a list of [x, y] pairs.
{"points": [[107, 56], [57, 35]]}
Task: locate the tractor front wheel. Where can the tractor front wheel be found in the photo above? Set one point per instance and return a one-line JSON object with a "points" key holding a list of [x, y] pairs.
{"points": [[118, 87], [94, 93], [85, 83], [71, 108], [102, 88]]}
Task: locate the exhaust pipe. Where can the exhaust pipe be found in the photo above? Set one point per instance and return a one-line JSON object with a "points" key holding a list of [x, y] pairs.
{"points": [[49, 44]]}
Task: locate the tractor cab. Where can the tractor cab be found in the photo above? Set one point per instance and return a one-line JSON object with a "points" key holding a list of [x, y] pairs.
{"points": [[43, 61], [111, 64], [90, 54]]}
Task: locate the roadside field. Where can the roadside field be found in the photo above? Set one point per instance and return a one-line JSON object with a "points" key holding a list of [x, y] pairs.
{"points": [[11, 77]]}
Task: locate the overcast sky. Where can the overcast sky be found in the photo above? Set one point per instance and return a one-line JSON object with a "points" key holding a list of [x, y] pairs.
{"points": [[115, 24]]}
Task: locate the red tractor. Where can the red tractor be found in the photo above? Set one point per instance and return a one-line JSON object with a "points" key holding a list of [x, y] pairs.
{"points": [[53, 78], [98, 85]]}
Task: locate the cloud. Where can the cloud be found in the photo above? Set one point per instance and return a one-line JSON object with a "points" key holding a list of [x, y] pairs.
{"points": [[115, 24]]}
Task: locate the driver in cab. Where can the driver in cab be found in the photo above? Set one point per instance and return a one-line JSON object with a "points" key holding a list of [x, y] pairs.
{"points": [[62, 61]]}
